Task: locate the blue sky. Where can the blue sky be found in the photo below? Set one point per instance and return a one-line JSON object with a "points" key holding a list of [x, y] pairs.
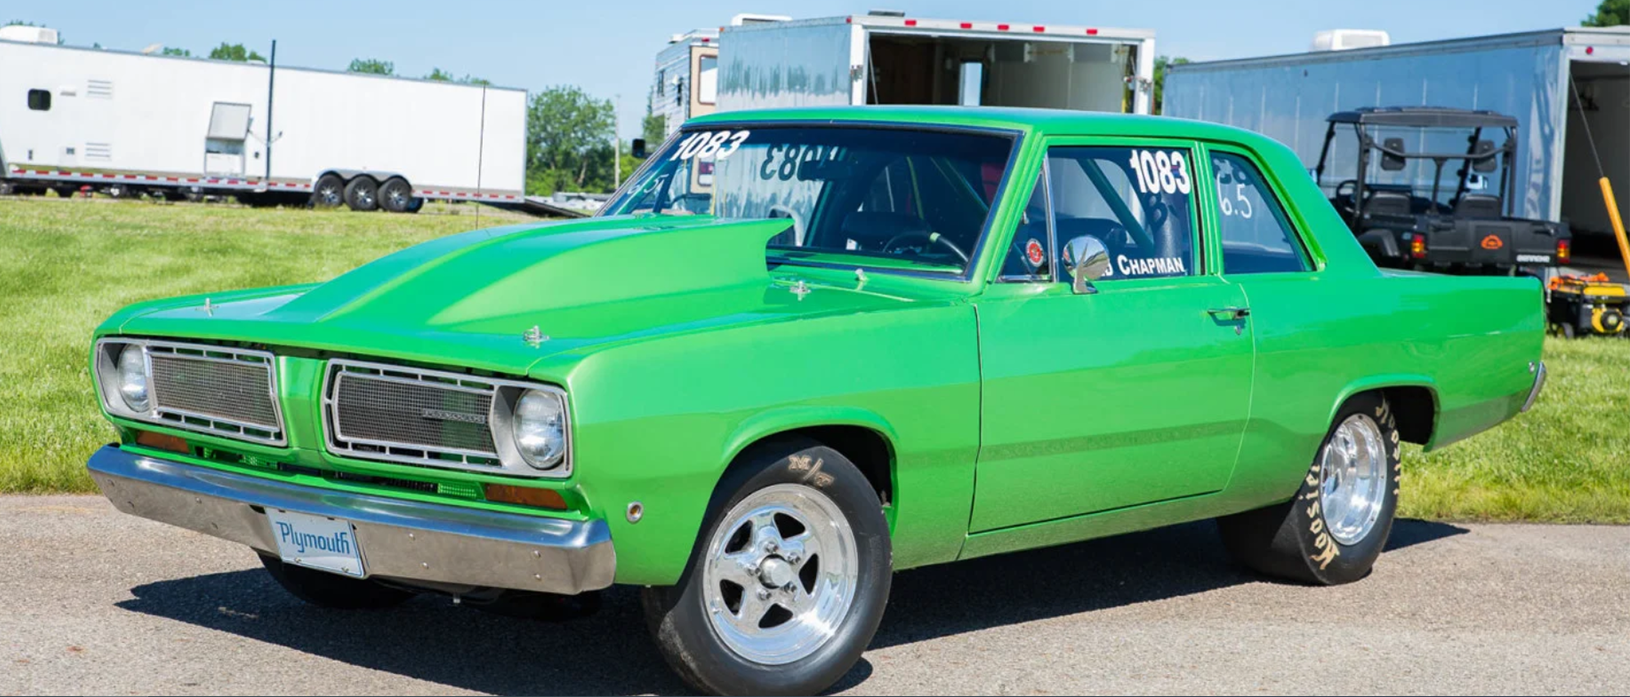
{"points": [[607, 47]]}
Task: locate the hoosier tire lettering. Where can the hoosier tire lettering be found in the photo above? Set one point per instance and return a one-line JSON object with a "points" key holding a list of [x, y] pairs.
{"points": [[1326, 534]]}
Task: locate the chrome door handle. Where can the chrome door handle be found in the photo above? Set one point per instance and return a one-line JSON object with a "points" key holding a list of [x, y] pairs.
{"points": [[1232, 312]]}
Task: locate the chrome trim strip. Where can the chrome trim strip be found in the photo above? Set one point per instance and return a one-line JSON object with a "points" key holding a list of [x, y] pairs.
{"points": [[400, 539], [155, 413], [498, 425], [1539, 384]]}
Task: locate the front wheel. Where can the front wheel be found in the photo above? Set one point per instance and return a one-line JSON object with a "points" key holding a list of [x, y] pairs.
{"points": [[788, 581], [334, 591], [1336, 526]]}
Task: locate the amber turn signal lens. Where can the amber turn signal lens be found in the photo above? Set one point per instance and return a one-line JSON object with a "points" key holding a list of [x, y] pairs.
{"points": [[526, 496], [162, 441]]}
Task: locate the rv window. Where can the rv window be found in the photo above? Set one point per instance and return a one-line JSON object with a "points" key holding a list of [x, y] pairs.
{"points": [[707, 79], [39, 100]]}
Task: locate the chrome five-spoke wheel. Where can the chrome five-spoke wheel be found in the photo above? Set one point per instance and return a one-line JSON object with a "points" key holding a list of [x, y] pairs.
{"points": [[780, 574], [1353, 478]]}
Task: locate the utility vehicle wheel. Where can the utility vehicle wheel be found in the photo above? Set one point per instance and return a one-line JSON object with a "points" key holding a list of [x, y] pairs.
{"points": [[362, 194], [329, 192], [788, 579], [332, 590], [1336, 526], [395, 195]]}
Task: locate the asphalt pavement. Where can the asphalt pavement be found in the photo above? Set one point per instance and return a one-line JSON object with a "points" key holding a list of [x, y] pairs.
{"points": [[95, 602]]}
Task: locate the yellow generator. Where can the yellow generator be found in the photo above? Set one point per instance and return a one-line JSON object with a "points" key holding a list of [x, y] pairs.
{"points": [[1585, 305]]}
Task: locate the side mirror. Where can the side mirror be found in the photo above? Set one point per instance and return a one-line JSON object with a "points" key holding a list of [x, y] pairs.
{"points": [[1389, 161], [1487, 164], [1087, 260], [637, 149]]}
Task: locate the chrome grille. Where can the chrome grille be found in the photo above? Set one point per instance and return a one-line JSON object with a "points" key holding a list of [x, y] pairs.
{"points": [[213, 388], [384, 409], [218, 390]]}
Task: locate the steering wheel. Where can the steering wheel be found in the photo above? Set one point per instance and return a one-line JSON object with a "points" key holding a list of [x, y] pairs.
{"points": [[898, 241]]}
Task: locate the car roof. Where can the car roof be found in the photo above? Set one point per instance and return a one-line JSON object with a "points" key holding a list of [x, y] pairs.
{"points": [[1424, 117], [1026, 120]]}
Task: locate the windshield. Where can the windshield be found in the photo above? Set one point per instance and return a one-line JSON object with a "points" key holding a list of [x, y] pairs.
{"points": [[875, 197], [1416, 175]]}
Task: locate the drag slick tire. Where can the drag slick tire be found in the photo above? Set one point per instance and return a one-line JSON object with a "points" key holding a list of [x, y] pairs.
{"points": [[788, 579], [1338, 523], [333, 591]]}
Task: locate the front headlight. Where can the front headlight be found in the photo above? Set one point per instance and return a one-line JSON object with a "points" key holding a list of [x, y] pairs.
{"points": [[133, 377], [539, 428]]}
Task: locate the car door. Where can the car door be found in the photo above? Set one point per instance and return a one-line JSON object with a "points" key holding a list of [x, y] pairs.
{"points": [[1136, 393]]}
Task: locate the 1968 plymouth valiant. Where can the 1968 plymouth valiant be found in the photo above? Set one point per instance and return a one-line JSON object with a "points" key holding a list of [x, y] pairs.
{"points": [[803, 349]]}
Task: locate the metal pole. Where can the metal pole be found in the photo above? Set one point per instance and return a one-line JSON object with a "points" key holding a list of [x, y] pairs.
{"points": [[271, 80], [616, 147]]}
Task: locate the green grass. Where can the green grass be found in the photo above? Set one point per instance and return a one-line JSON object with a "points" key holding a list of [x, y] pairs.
{"points": [[66, 265], [1566, 460]]}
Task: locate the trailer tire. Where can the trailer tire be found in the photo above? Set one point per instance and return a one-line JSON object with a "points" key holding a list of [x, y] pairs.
{"points": [[64, 191], [415, 204], [395, 195], [328, 192], [362, 194], [118, 190], [7, 188]]}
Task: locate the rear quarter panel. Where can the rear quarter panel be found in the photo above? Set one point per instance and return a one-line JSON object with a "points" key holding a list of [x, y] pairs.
{"points": [[1320, 340]]}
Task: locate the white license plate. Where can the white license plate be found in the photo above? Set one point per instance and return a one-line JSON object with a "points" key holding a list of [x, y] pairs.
{"points": [[329, 544]]}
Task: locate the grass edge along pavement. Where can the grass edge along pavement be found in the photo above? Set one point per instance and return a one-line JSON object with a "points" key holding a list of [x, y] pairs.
{"points": [[66, 265]]}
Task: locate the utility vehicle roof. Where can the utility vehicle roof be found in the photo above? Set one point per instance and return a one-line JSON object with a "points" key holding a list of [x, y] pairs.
{"points": [[1424, 117]]}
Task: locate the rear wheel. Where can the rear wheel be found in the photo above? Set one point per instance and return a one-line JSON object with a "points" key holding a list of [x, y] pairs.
{"points": [[788, 580], [1338, 523], [329, 191], [332, 590], [395, 195], [362, 194]]}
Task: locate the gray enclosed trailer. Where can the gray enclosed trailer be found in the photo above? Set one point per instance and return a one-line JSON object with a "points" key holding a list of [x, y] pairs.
{"points": [[1524, 75], [889, 58]]}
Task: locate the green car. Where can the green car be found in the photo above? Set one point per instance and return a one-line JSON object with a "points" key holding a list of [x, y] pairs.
{"points": [[800, 350]]}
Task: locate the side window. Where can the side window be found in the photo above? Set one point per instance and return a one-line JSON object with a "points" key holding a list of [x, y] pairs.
{"points": [[1027, 258], [39, 100], [1256, 234], [1137, 201]]}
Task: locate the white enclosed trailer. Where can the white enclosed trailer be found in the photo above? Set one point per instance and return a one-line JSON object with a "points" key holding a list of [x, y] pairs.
{"points": [[123, 121], [1530, 76], [888, 58]]}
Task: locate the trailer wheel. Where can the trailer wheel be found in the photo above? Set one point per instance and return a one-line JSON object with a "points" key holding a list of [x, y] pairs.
{"points": [[7, 188], [329, 191], [121, 191], [395, 195], [65, 191], [362, 194], [414, 204]]}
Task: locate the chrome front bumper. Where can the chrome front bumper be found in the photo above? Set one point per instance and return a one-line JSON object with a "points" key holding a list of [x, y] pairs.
{"points": [[405, 540], [1539, 384]]}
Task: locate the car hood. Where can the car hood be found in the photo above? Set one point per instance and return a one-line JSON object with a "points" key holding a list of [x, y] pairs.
{"points": [[472, 299]]}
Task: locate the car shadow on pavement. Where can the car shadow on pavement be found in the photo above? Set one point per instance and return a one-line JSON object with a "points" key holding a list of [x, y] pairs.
{"points": [[431, 640]]}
